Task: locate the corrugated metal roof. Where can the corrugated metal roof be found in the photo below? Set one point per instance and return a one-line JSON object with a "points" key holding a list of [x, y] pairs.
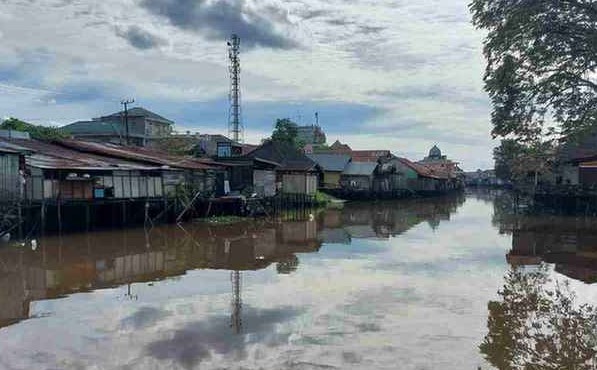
{"points": [[111, 127], [140, 155], [51, 156], [14, 134], [360, 168], [331, 162], [10, 145], [289, 158], [8, 151], [423, 170], [369, 155], [140, 112]]}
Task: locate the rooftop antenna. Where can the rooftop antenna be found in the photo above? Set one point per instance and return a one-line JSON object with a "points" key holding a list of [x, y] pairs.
{"points": [[235, 126]]}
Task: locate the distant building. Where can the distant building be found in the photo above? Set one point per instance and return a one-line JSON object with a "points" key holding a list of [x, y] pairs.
{"points": [[482, 178], [337, 146], [144, 127], [440, 163], [310, 134]]}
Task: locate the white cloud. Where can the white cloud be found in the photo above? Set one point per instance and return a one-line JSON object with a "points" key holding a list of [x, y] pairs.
{"points": [[414, 61]]}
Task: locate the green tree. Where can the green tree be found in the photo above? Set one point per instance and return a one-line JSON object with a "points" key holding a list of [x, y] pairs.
{"points": [[286, 132], [541, 63], [523, 163], [505, 155], [44, 133]]}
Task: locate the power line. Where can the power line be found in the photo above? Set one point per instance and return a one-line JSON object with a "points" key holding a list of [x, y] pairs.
{"points": [[126, 102]]}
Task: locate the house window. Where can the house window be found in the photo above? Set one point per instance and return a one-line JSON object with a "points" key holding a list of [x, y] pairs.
{"points": [[224, 150]]}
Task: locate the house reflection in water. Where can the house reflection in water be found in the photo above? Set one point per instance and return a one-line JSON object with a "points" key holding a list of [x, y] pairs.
{"points": [[569, 243], [384, 219], [76, 263], [85, 262]]}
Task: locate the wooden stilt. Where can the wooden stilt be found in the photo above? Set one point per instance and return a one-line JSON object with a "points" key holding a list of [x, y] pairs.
{"points": [[42, 216], [20, 215], [87, 217], [59, 215]]}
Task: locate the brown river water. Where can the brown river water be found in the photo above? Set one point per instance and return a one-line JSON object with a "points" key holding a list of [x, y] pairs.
{"points": [[456, 282]]}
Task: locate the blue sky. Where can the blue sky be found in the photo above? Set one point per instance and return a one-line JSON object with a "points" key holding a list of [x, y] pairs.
{"points": [[389, 74]]}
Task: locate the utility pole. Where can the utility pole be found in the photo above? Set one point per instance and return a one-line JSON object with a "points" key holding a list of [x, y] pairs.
{"points": [[126, 102], [235, 126]]}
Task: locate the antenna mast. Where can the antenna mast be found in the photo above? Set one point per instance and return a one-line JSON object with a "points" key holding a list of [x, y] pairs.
{"points": [[235, 126]]}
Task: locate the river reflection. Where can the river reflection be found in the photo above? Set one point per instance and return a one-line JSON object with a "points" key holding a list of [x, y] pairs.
{"points": [[61, 265], [569, 243], [539, 322], [427, 284]]}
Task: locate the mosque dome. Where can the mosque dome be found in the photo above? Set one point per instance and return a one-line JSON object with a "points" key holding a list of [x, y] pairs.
{"points": [[435, 152]]}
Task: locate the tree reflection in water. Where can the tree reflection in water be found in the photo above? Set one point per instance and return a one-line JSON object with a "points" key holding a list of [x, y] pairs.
{"points": [[537, 324]]}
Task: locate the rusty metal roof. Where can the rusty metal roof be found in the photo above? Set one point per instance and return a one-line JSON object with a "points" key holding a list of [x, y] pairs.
{"points": [[50, 156], [139, 154], [424, 170], [7, 151], [369, 155]]}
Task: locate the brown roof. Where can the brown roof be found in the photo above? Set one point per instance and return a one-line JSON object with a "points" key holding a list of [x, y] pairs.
{"points": [[140, 155], [51, 156], [369, 155], [424, 170], [248, 148], [338, 146]]}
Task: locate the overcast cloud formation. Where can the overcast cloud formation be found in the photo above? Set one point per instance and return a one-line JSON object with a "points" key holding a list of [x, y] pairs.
{"points": [[395, 74], [216, 20]]}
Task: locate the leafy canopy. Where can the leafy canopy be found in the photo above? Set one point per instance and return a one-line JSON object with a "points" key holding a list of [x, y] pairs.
{"points": [[514, 161], [45, 133], [286, 132], [541, 65]]}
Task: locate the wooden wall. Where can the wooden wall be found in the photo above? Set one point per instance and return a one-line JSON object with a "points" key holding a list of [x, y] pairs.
{"points": [[9, 176], [299, 183]]}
